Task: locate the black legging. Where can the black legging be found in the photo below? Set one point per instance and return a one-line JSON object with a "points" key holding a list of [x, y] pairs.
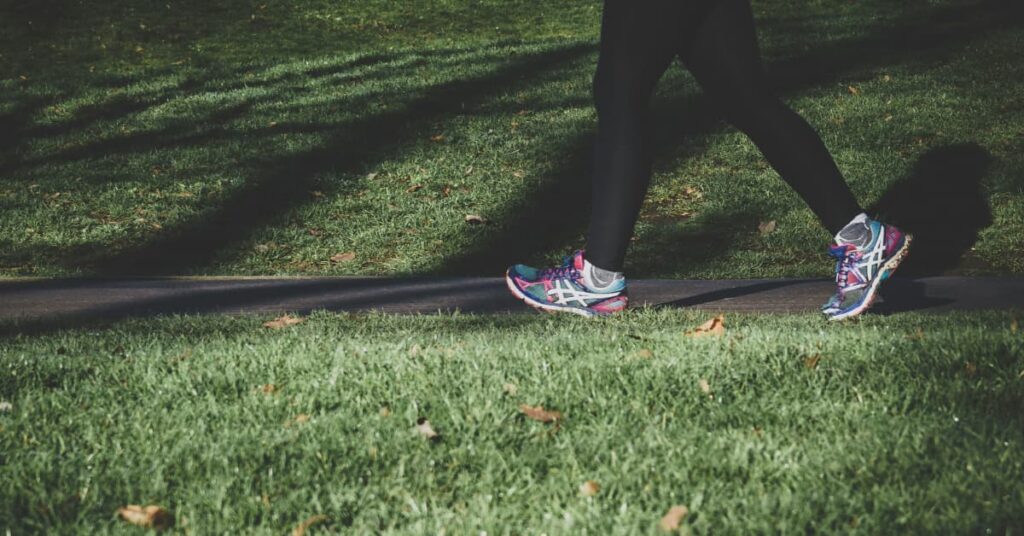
{"points": [[715, 40]]}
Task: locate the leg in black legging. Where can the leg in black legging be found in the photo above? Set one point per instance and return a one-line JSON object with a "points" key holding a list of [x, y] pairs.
{"points": [[724, 58], [717, 42], [634, 54]]}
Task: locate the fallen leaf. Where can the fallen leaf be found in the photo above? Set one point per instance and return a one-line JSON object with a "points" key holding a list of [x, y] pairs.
{"points": [[589, 488], [811, 361], [314, 231], [538, 413], [425, 430], [970, 369], [6, 406], [705, 388], [343, 257], [475, 219], [519, 174], [283, 321], [414, 188], [691, 193], [510, 389], [673, 518], [371, 176], [886, 78], [385, 411], [644, 353], [301, 529], [766, 227], [757, 431], [268, 389], [301, 418], [1014, 327], [853, 90], [715, 326], [151, 516], [437, 138]]}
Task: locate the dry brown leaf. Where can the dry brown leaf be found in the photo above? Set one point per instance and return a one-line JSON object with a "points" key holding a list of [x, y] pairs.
{"points": [[917, 335], [589, 488], [538, 413], [371, 176], [283, 321], [705, 388], [691, 193], [811, 361], [151, 516], [437, 138], [301, 418], [475, 219], [314, 231], [268, 389], [715, 326], [644, 353], [1014, 327], [424, 428], [413, 188], [510, 389], [766, 227], [673, 518], [301, 529], [343, 257], [385, 411], [853, 90], [970, 369]]}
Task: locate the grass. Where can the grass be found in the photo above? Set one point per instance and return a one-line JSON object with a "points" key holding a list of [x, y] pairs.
{"points": [[241, 138], [902, 424], [264, 138]]}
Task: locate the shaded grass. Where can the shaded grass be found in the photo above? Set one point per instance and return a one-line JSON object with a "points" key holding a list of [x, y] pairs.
{"points": [[907, 423], [376, 128]]}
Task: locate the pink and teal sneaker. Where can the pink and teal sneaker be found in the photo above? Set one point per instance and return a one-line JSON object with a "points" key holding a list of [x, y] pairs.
{"points": [[562, 289], [861, 271]]}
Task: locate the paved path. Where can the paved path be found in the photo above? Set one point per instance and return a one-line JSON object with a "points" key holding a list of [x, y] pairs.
{"points": [[98, 298]]}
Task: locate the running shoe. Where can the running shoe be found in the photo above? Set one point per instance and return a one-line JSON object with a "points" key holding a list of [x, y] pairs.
{"points": [[562, 289], [860, 271]]}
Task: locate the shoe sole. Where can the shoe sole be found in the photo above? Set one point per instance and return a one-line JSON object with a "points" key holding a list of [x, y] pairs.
{"points": [[544, 307], [887, 270]]}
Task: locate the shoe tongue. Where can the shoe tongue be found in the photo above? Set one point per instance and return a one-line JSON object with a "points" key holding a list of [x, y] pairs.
{"points": [[577, 260]]}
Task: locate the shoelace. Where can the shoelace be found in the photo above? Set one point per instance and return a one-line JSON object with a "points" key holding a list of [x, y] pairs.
{"points": [[844, 264], [566, 269]]}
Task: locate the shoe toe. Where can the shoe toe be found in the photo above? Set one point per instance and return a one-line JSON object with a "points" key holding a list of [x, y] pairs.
{"points": [[523, 271]]}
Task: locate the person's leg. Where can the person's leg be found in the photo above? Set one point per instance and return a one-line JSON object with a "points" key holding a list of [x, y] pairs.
{"points": [[637, 45], [724, 59], [723, 56]]}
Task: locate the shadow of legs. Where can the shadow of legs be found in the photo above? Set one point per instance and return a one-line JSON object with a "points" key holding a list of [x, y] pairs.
{"points": [[941, 203]]}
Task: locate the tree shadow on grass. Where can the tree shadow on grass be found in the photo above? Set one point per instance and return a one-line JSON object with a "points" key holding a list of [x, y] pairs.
{"points": [[282, 184]]}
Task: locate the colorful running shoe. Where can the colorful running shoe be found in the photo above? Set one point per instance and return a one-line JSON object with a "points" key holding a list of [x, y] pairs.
{"points": [[860, 271], [562, 289]]}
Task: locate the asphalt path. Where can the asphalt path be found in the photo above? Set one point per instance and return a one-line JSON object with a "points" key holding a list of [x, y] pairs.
{"points": [[52, 299]]}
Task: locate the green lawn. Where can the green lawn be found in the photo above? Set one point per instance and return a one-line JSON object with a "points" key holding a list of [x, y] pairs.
{"points": [[910, 423], [264, 138]]}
